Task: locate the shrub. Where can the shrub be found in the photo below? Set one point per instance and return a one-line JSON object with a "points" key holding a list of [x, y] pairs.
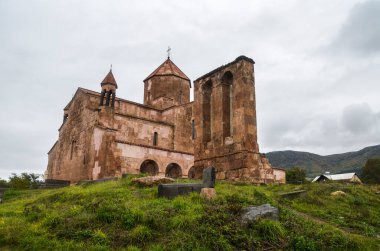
{"points": [[295, 175], [371, 171], [23, 181]]}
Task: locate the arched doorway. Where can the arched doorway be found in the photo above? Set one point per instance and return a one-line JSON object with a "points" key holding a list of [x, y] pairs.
{"points": [[149, 167], [191, 173], [173, 170]]}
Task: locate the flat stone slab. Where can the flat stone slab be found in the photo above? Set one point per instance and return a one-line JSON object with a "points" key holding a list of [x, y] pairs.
{"points": [[293, 194], [253, 213], [152, 180], [172, 190]]}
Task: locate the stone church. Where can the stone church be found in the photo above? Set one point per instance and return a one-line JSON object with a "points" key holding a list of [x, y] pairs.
{"points": [[105, 136]]}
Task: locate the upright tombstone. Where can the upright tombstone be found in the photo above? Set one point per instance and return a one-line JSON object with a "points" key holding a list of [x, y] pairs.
{"points": [[209, 177]]}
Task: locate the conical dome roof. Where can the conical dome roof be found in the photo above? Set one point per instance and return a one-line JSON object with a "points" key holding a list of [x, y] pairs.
{"points": [[168, 68], [109, 80]]}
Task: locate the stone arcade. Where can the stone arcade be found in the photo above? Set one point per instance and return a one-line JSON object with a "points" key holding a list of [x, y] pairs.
{"points": [[105, 136]]}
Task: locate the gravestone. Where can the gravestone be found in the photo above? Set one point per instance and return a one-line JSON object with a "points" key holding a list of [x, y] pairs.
{"points": [[209, 177], [172, 190]]}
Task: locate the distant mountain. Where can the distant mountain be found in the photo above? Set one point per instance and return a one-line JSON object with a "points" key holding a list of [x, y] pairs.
{"points": [[315, 164]]}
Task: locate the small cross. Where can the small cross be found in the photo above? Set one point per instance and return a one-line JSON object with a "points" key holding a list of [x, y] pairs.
{"points": [[168, 51], [111, 68]]}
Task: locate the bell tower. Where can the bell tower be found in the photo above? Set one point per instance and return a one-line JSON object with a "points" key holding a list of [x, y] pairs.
{"points": [[166, 86], [109, 87]]}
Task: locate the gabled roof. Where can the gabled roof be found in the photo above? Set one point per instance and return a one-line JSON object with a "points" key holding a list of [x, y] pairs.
{"points": [[342, 176], [109, 80], [168, 68]]}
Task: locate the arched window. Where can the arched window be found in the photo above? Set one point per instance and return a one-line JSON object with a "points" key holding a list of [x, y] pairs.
{"points": [[227, 81], [206, 107], [155, 138]]}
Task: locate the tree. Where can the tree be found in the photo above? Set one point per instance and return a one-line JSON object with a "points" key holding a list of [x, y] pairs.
{"points": [[371, 171], [23, 181], [3, 183], [295, 175]]}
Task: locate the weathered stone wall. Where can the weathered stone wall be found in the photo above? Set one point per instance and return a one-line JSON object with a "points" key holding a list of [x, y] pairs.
{"points": [[70, 159], [225, 115], [279, 175], [133, 156], [93, 139], [141, 131], [164, 91], [181, 117]]}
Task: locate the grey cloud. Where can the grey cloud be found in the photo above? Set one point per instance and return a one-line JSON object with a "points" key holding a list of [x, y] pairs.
{"points": [[360, 119], [361, 32]]}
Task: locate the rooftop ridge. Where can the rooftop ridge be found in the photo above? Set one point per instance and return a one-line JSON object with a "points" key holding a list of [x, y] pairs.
{"points": [[242, 57]]}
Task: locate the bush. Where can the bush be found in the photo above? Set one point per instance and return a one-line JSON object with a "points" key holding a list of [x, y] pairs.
{"points": [[24, 180], [4, 183], [371, 171], [295, 175]]}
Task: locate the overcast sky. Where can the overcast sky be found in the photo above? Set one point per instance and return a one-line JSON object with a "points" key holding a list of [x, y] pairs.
{"points": [[317, 65]]}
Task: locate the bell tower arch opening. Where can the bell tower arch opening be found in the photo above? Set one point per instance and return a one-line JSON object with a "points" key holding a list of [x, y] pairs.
{"points": [[227, 109], [206, 111]]}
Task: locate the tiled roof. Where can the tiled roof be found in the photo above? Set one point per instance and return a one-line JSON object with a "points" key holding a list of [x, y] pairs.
{"points": [[109, 79], [168, 68]]}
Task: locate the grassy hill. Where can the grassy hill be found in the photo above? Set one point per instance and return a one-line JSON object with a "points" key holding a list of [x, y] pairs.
{"points": [[118, 215], [315, 164]]}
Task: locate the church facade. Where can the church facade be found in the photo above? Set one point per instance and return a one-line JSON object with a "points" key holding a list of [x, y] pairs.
{"points": [[104, 136]]}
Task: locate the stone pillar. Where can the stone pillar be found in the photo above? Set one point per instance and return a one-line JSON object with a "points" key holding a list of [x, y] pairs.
{"points": [[102, 97]]}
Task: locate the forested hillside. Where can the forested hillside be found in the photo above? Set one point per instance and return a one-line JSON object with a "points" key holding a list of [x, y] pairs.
{"points": [[315, 164]]}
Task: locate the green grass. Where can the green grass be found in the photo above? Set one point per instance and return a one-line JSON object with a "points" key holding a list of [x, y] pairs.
{"points": [[117, 215]]}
